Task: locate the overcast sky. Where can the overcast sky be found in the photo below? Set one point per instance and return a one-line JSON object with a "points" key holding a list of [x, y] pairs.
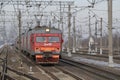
{"points": [[100, 10]]}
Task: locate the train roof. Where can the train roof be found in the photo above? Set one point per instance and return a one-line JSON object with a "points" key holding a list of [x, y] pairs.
{"points": [[42, 29]]}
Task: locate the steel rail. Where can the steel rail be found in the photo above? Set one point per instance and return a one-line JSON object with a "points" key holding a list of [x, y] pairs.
{"points": [[29, 60], [102, 72], [49, 73], [7, 77], [69, 73], [5, 68], [102, 56], [23, 74]]}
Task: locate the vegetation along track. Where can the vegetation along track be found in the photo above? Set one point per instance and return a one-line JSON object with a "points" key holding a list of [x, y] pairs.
{"points": [[105, 73]]}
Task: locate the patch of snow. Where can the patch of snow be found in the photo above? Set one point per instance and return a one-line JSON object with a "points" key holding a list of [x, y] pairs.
{"points": [[96, 62], [1, 46]]}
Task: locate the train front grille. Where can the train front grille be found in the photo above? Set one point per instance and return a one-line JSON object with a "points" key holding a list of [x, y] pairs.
{"points": [[47, 54]]}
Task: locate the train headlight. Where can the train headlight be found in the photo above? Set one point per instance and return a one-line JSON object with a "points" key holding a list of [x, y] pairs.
{"points": [[37, 50], [47, 30], [58, 49], [55, 56]]}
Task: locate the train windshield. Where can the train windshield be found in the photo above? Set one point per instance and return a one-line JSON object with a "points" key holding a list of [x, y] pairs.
{"points": [[40, 39], [53, 39]]}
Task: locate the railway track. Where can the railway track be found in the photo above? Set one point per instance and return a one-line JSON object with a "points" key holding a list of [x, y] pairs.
{"points": [[53, 71], [6, 69], [70, 73], [100, 57], [22, 74], [3, 58], [105, 73], [6, 77], [56, 71], [1, 51]]}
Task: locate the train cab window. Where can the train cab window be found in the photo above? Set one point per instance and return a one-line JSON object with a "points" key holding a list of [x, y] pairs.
{"points": [[53, 39], [40, 39]]}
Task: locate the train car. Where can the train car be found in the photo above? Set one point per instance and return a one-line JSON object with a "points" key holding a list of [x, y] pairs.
{"points": [[44, 44]]}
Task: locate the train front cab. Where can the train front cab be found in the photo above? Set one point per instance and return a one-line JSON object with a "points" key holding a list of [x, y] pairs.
{"points": [[47, 48]]}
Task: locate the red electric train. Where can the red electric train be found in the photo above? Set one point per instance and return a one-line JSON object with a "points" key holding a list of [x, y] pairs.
{"points": [[42, 43]]}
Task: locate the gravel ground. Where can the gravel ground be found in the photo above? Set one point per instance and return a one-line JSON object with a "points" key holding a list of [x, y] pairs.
{"points": [[14, 62]]}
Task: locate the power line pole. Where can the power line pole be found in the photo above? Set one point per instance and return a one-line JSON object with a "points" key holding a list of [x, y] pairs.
{"points": [[19, 25], [89, 25], [60, 17], [69, 26], [74, 36], [58, 24], [5, 33], [96, 36], [91, 41], [101, 36], [110, 33], [62, 24]]}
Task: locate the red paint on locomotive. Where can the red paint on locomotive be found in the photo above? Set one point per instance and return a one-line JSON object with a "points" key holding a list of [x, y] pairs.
{"points": [[44, 46]]}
